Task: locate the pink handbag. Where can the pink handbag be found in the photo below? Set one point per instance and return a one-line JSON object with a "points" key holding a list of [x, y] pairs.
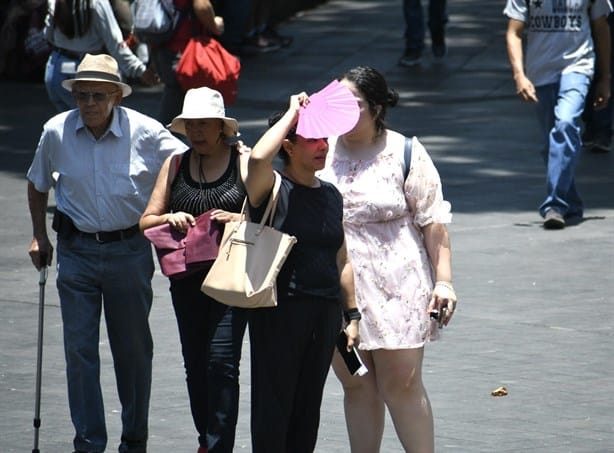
{"points": [[182, 254]]}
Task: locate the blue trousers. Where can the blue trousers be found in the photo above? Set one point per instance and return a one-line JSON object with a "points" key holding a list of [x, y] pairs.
{"points": [[414, 21], [211, 337], [58, 69], [559, 110], [116, 277]]}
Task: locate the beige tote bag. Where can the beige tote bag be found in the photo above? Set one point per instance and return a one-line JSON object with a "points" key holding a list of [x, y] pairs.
{"points": [[250, 257]]}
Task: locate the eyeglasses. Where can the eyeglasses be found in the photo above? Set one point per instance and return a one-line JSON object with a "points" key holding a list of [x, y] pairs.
{"points": [[98, 97]]}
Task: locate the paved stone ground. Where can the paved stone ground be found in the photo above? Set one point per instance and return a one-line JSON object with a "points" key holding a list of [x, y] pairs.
{"points": [[535, 314]]}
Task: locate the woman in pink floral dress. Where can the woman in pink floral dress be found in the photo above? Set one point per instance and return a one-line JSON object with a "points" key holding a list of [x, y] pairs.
{"points": [[399, 247]]}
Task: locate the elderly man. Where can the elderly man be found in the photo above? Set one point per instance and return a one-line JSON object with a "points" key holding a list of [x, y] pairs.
{"points": [[102, 160]]}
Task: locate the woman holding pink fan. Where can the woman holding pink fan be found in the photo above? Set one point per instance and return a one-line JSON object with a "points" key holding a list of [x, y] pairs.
{"points": [[394, 218], [292, 344]]}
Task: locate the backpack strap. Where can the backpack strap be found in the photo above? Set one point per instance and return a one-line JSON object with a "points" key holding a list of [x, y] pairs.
{"points": [[407, 158]]}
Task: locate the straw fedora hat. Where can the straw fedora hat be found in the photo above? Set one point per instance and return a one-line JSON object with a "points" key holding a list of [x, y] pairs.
{"points": [[201, 103], [98, 68]]}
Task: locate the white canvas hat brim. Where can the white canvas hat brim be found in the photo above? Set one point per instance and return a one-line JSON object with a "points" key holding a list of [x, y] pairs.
{"points": [[204, 103], [231, 126]]}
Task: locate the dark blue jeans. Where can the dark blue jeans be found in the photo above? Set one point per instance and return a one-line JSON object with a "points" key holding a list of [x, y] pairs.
{"points": [[211, 335], [414, 21], [114, 277]]}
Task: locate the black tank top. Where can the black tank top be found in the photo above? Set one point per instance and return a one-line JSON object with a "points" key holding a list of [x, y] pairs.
{"points": [[190, 196]]}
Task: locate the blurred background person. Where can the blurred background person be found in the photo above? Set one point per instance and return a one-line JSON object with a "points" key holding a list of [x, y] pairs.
{"points": [[199, 18], [415, 31], [76, 27], [262, 36]]}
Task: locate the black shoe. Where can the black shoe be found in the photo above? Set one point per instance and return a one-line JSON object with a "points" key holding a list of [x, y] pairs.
{"points": [[411, 57], [438, 43], [273, 36]]}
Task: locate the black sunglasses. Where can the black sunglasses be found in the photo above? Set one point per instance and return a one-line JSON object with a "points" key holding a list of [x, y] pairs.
{"points": [[84, 96]]}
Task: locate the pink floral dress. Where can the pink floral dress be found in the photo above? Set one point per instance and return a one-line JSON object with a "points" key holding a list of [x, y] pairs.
{"points": [[382, 218]]}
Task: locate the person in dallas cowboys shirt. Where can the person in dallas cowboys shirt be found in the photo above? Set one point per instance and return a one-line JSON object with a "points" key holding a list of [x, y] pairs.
{"points": [[563, 39]]}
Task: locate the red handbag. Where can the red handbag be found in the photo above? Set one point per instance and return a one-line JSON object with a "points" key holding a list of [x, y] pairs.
{"points": [[205, 62], [182, 254]]}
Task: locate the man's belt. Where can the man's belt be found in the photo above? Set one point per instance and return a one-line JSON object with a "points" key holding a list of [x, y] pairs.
{"points": [[110, 236], [66, 228]]}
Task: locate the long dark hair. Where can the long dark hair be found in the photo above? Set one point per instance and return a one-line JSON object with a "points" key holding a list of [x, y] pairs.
{"points": [[72, 17], [374, 89]]}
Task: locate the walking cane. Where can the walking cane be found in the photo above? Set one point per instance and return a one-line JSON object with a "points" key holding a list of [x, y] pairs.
{"points": [[39, 357]]}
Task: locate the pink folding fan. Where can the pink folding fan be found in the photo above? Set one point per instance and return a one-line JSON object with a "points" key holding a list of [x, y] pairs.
{"points": [[331, 111]]}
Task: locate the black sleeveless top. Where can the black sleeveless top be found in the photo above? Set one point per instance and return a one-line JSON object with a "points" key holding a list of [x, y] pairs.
{"points": [[190, 196], [315, 216]]}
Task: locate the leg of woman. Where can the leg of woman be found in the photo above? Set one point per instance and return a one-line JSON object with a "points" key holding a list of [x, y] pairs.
{"points": [[274, 375], [364, 408], [399, 380], [226, 330], [192, 314], [277, 339], [324, 321]]}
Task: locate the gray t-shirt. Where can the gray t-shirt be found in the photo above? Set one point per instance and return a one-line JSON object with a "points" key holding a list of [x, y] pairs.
{"points": [[558, 36]]}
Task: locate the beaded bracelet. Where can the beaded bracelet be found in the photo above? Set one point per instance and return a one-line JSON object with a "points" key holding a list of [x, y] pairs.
{"points": [[351, 315], [445, 285]]}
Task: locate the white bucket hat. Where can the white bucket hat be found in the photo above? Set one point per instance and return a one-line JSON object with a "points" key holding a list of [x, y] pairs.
{"points": [[98, 68], [201, 103]]}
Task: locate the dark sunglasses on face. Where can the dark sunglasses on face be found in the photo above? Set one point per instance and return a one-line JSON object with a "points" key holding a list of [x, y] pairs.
{"points": [[84, 96]]}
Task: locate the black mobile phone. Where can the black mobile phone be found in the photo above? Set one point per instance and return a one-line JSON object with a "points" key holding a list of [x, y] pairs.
{"points": [[439, 316], [351, 358]]}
